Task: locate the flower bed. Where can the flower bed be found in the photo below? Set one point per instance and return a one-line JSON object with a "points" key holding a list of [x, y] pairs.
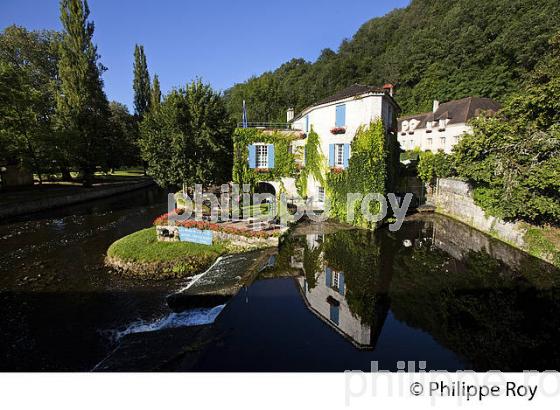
{"points": [[337, 170], [163, 220]]}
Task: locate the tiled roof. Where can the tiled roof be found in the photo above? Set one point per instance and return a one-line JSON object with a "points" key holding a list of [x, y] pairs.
{"points": [[457, 111], [352, 91]]}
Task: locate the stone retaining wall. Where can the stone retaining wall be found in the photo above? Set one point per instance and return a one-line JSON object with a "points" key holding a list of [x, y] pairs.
{"points": [[70, 199], [455, 198]]}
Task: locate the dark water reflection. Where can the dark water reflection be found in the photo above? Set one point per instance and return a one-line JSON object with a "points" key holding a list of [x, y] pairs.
{"points": [[57, 300], [436, 291]]}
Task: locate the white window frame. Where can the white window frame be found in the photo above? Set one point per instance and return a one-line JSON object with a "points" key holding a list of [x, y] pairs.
{"points": [[320, 194], [261, 155], [335, 279], [338, 155], [442, 141]]}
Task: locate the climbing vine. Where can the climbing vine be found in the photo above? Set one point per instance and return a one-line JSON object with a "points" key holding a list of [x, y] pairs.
{"points": [[370, 170], [284, 160], [315, 164]]}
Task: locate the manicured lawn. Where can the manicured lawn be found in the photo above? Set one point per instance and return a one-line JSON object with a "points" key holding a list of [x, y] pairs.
{"points": [[181, 257]]}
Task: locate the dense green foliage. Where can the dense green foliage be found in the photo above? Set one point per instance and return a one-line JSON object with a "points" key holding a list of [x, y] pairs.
{"points": [[513, 159], [188, 139], [28, 87], [432, 166], [155, 94], [367, 172], [315, 164], [284, 160], [141, 82], [123, 145], [82, 108], [443, 50]]}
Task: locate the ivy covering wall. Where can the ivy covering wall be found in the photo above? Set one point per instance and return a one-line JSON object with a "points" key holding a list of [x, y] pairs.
{"points": [[371, 169], [315, 164], [284, 160]]}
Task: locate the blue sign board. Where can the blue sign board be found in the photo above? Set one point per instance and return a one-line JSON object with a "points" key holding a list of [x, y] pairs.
{"points": [[195, 235]]}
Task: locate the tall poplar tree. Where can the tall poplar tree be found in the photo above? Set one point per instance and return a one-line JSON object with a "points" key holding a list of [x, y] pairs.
{"points": [[82, 106], [155, 96], [141, 84]]}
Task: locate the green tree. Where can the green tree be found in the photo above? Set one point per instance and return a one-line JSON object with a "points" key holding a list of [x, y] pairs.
{"points": [[141, 83], [513, 159], [443, 50], [188, 140], [155, 93], [123, 142], [28, 71], [82, 107], [432, 166]]}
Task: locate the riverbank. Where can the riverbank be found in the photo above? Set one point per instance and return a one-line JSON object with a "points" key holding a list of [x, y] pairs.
{"points": [[455, 199], [49, 196]]}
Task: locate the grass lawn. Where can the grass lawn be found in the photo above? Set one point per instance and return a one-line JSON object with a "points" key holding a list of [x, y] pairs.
{"points": [[181, 258]]}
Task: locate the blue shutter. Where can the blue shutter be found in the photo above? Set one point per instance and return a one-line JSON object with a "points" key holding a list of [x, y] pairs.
{"points": [[270, 155], [340, 115], [331, 155], [334, 314], [341, 283], [346, 155], [307, 123], [252, 156], [328, 277]]}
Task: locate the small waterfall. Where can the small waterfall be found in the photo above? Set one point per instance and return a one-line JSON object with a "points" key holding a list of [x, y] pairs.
{"points": [[192, 317]]}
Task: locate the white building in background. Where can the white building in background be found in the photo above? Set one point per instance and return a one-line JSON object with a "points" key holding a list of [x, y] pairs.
{"points": [[335, 119], [442, 128]]}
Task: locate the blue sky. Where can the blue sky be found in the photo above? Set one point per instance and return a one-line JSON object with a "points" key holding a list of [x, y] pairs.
{"points": [[223, 42]]}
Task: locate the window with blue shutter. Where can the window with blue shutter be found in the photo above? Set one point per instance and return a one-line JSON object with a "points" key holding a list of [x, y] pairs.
{"points": [[341, 115], [252, 156], [341, 283], [331, 155], [270, 155], [334, 314], [346, 155]]}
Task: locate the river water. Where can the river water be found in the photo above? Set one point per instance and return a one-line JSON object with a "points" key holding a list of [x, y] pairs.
{"points": [[436, 292]]}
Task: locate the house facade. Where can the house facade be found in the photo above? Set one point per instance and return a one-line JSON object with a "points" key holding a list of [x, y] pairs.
{"points": [[442, 128], [336, 120], [326, 298]]}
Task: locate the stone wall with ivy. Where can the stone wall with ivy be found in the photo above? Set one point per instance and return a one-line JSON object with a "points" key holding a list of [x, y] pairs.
{"points": [[315, 164], [371, 169], [284, 160]]}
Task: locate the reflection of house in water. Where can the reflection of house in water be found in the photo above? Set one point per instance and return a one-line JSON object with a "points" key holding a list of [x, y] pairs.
{"points": [[327, 299]]}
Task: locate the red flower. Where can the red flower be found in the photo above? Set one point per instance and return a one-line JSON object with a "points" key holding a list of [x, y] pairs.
{"points": [[338, 130]]}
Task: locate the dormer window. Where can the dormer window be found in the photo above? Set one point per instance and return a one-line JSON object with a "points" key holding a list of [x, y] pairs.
{"points": [[404, 127]]}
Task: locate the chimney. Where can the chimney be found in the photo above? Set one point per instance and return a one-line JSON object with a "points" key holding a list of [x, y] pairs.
{"points": [[389, 88], [436, 105], [290, 115]]}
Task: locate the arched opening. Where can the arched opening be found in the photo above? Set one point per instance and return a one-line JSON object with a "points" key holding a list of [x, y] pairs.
{"points": [[265, 188]]}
